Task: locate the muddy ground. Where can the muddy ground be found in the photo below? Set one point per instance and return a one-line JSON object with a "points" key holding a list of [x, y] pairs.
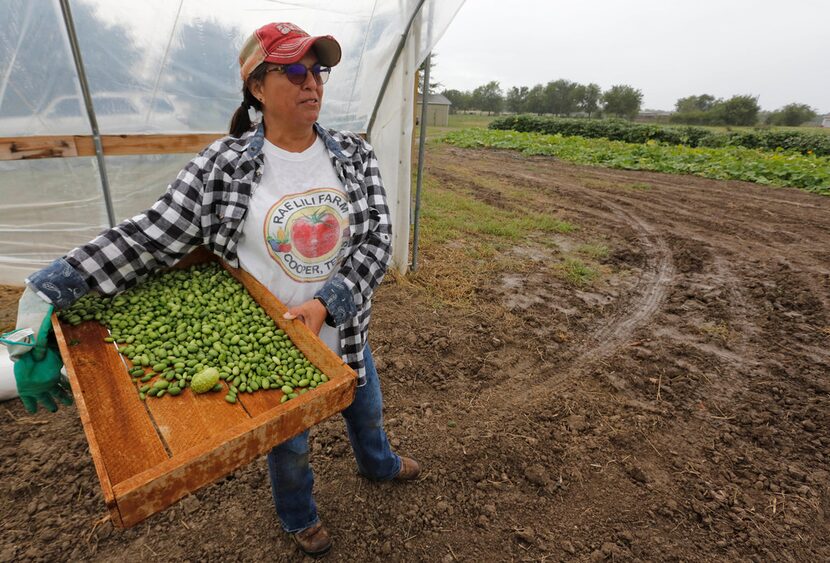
{"points": [[674, 409]]}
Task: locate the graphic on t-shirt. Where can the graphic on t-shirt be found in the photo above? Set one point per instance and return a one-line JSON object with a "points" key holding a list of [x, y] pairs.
{"points": [[304, 232]]}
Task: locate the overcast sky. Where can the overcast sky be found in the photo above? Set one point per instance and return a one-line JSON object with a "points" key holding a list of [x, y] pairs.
{"points": [[777, 50]]}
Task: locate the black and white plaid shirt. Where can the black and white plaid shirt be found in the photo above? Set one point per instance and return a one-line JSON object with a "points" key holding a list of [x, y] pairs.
{"points": [[206, 205]]}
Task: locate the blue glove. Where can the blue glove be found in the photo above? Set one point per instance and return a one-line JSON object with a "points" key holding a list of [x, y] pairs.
{"points": [[37, 361]]}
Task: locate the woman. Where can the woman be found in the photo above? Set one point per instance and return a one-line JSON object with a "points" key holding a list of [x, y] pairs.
{"points": [[299, 207]]}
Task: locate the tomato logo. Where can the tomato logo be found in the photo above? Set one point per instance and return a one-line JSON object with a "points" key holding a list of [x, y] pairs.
{"points": [[316, 234], [303, 232]]}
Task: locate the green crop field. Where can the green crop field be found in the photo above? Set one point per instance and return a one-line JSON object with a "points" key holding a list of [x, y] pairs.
{"points": [[807, 172], [466, 120], [621, 130]]}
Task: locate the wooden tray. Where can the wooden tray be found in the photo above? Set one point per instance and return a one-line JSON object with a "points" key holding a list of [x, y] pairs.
{"points": [[149, 454]]}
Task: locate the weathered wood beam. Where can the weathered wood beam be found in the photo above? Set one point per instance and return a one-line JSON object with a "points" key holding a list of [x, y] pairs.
{"points": [[62, 146]]}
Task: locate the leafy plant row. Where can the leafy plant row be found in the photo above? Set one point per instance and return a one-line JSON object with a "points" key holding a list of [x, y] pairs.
{"points": [[621, 130], [807, 172]]}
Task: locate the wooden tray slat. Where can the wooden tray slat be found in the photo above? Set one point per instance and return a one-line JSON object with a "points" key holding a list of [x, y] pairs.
{"points": [[260, 402], [206, 415], [129, 443], [83, 412]]}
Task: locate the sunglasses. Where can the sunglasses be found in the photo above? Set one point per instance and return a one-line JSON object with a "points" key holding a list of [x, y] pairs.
{"points": [[298, 72]]}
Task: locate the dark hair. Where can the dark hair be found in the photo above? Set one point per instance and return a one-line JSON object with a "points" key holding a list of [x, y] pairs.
{"points": [[240, 122]]}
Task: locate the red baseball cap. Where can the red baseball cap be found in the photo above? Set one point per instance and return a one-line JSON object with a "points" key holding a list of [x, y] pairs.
{"points": [[285, 43]]}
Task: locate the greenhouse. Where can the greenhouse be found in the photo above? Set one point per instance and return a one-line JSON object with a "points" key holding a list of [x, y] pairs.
{"points": [[163, 80]]}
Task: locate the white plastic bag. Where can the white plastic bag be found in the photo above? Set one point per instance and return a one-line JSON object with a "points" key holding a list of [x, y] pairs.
{"points": [[8, 387]]}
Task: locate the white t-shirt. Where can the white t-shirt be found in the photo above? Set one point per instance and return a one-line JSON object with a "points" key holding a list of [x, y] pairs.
{"points": [[296, 223]]}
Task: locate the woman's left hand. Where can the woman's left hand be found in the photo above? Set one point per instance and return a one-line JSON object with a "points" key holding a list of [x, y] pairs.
{"points": [[312, 313]]}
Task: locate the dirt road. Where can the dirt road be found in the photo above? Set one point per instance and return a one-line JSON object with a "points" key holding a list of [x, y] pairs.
{"points": [[676, 408]]}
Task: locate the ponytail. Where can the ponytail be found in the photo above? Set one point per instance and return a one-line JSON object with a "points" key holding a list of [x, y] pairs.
{"points": [[241, 122]]}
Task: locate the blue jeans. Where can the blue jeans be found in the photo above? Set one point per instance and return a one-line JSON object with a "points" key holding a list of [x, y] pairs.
{"points": [[291, 476]]}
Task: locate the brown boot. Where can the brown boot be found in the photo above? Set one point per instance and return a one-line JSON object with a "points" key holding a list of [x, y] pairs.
{"points": [[410, 470], [314, 541]]}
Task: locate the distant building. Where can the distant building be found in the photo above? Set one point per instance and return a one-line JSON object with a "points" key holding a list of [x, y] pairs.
{"points": [[653, 116], [826, 121], [438, 110]]}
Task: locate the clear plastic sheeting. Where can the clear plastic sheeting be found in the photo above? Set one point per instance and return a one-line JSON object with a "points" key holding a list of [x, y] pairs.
{"points": [[161, 66], [48, 207], [165, 66], [136, 182], [39, 89], [391, 133]]}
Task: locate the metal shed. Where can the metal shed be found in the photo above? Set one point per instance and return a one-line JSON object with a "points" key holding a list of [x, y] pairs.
{"points": [[438, 110]]}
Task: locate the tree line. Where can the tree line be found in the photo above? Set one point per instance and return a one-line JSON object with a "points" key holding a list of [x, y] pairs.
{"points": [[558, 97], [565, 98], [705, 109]]}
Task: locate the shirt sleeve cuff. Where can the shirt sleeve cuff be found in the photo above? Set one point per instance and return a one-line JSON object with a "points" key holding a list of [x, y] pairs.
{"points": [[338, 300], [59, 284]]}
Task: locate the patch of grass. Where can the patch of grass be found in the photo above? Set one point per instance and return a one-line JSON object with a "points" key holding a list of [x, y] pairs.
{"points": [[460, 120], [457, 121], [576, 272], [639, 186], [449, 214], [594, 184], [595, 250], [464, 241], [455, 273], [482, 251], [717, 330]]}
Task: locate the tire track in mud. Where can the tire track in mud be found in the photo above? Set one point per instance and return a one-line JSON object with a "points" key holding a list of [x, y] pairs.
{"points": [[722, 229], [650, 292], [608, 340], [653, 288]]}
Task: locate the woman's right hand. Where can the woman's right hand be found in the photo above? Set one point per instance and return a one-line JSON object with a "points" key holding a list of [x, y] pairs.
{"points": [[312, 313]]}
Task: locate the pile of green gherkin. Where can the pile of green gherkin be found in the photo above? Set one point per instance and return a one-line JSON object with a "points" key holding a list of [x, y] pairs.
{"points": [[192, 323]]}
